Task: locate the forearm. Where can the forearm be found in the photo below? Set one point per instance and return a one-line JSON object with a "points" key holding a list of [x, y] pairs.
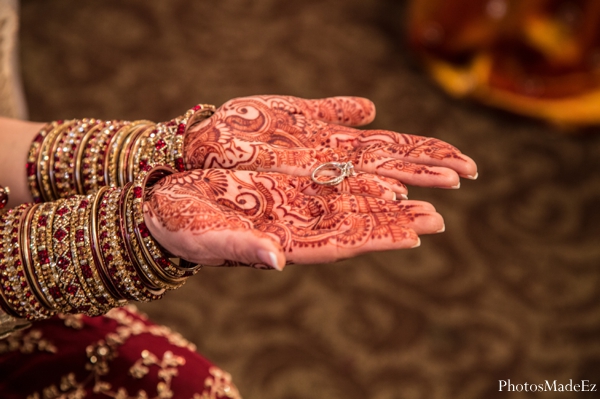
{"points": [[15, 138]]}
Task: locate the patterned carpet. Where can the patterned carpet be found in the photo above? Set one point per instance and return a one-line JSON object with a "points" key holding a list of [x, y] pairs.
{"points": [[511, 290]]}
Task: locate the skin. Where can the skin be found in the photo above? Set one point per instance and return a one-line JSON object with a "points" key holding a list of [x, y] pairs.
{"points": [[210, 216], [16, 137]]}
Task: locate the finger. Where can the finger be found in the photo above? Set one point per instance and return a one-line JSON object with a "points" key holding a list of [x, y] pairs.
{"points": [[239, 246], [340, 203], [348, 111], [415, 149], [369, 160], [302, 162], [360, 184], [355, 234], [418, 149], [417, 215]]}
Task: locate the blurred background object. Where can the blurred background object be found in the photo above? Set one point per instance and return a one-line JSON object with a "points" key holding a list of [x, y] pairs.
{"points": [[511, 290], [539, 58], [12, 103]]}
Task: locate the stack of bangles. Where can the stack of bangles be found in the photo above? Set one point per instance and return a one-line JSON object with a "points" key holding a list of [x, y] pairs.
{"points": [[83, 247]]}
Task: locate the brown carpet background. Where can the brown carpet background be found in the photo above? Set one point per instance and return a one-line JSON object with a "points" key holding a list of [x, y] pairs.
{"points": [[511, 290]]}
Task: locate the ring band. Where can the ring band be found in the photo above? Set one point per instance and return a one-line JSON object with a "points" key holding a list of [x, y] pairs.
{"points": [[346, 170]]}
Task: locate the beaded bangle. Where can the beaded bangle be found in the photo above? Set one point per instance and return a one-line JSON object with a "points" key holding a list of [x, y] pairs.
{"points": [[17, 291], [143, 270], [177, 129], [95, 303], [32, 160], [112, 151], [81, 167], [27, 255], [114, 259], [126, 152], [94, 156], [135, 154], [42, 253], [64, 160], [45, 155], [102, 270], [148, 266], [172, 271]]}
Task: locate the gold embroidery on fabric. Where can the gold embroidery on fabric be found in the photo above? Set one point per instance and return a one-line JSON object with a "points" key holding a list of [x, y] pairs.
{"points": [[102, 352], [74, 321], [219, 385], [26, 342]]}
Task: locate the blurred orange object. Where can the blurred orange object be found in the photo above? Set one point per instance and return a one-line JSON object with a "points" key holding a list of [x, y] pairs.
{"points": [[539, 58]]}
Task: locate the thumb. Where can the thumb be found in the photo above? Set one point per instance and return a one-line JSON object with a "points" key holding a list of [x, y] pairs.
{"points": [[256, 249]]}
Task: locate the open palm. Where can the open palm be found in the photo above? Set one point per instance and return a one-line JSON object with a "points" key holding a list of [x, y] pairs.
{"points": [[217, 217]]}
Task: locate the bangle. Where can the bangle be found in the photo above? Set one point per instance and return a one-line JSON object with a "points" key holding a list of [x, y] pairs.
{"points": [[156, 256], [82, 166], [27, 255], [64, 159], [156, 267], [194, 115], [94, 171], [125, 152], [95, 245], [44, 156], [32, 160], [17, 293], [149, 290], [42, 253], [134, 155]]}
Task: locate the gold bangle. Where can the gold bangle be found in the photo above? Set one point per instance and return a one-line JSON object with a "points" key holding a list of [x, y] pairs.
{"points": [[77, 177], [80, 246], [32, 160], [144, 270], [64, 266], [138, 276], [42, 255], [112, 152], [196, 114], [156, 256], [145, 241], [18, 292], [45, 157], [125, 151], [95, 156], [63, 158], [134, 155], [118, 264], [95, 249], [27, 253], [7, 226]]}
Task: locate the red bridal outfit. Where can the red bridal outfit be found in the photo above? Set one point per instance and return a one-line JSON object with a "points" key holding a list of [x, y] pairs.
{"points": [[119, 355]]}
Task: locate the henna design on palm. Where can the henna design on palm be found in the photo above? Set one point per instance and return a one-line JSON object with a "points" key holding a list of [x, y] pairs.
{"points": [[218, 217], [292, 135]]}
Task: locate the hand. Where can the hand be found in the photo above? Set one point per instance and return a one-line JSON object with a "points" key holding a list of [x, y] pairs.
{"points": [[265, 219], [293, 135]]}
